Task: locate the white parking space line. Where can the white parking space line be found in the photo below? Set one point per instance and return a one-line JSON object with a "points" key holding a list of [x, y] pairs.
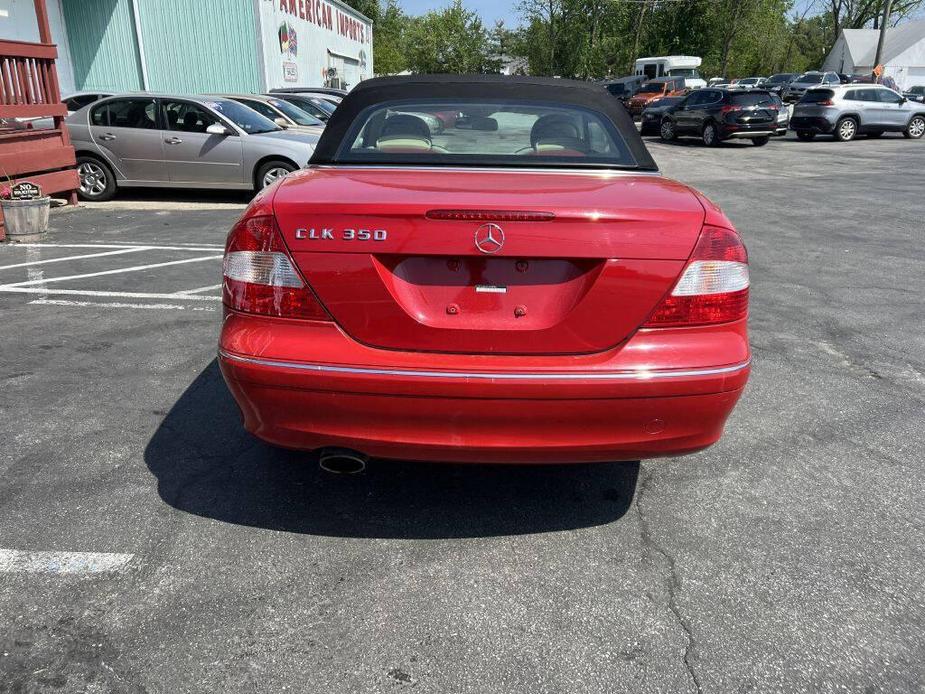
{"points": [[175, 247], [75, 257], [91, 292], [199, 290], [117, 304], [134, 268], [17, 561]]}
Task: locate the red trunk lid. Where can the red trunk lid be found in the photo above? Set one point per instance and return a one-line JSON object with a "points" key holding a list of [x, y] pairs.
{"points": [[394, 278]]}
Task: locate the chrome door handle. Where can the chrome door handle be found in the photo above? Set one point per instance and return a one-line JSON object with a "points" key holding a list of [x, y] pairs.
{"points": [[173, 140], [108, 136]]}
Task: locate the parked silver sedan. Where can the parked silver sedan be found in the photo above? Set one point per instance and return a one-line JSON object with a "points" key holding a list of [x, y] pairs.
{"points": [[162, 140]]}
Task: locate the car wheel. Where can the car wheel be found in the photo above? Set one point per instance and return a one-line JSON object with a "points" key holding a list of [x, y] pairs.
{"points": [[805, 135], [710, 135], [761, 141], [97, 182], [667, 130], [846, 129], [271, 171], [916, 128], [875, 134]]}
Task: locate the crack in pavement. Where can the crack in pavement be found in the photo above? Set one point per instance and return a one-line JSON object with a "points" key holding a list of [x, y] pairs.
{"points": [[650, 546]]}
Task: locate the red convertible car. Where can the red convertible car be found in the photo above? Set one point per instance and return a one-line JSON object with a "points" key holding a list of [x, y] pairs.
{"points": [[523, 286]]}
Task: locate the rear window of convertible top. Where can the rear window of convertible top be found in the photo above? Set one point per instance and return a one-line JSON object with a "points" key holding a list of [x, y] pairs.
{"points": [[484, 133]]}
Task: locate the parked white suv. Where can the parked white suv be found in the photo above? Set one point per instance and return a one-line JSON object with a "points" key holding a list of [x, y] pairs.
{"points": [[851, 109]]}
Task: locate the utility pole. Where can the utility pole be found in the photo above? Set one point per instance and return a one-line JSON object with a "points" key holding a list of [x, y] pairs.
{"points": [[887, 4]]}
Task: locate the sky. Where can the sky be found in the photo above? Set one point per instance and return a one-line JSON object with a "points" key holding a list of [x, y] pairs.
{"points": [[490, 10]]}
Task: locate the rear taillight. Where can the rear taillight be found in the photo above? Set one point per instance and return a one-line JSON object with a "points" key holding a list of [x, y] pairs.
{"points": [[713, 287], [260, 277]]}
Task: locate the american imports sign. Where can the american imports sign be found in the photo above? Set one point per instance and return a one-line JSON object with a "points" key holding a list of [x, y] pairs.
{"points": [[323, 14]]}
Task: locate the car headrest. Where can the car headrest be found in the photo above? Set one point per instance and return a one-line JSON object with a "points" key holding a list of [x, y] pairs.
{"points": [[190, 121], [405, 125], [138, 117], [554, 126], [560, 147], [403, 144]]}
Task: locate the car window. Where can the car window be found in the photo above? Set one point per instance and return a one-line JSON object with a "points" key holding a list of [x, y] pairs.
{"points": [[310, 107], [263, 109], [125, 113], [752, 99], [695, 99], [295, 113], [484, 133], [245, 118], [75, 103], [887, 96], [187, 117], [853, 95], [830, 79], [815, 96], [326, 106], [616, 89]]}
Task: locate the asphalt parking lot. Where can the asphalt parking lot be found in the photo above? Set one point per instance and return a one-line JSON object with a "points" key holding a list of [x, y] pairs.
{"points": [[147, 544]]}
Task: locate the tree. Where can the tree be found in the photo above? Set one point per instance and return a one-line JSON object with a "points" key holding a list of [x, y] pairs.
{"points": [[388, 34], [857, 14], [450, 40]]}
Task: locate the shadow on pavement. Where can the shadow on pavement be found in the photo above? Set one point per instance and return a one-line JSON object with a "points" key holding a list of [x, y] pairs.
{"points": [[206, 464]]}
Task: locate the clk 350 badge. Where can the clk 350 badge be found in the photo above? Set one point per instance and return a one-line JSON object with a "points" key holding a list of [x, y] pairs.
{"points": [[344, 235]]}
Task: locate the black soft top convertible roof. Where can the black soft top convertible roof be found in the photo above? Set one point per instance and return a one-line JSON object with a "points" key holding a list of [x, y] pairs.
{"points": [[588, 95]]}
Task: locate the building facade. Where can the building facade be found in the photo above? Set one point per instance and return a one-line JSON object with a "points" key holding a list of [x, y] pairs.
{"points": [[201, 46]]}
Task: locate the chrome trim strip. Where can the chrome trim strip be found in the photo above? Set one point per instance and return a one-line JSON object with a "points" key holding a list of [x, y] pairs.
{"points": [[639, 375], [491, 169]]}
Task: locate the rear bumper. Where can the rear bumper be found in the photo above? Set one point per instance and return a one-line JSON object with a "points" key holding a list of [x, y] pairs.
{"points": [[763, 132], [463, 408], [811, 124], [735, 130]]}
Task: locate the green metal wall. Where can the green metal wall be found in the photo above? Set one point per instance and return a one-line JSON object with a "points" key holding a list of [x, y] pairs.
{"points": [[200, 46], [101, 34], [190, 46]]}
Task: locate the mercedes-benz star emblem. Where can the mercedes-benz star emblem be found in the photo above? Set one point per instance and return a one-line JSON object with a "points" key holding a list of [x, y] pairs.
{"points": [[489, 238]]}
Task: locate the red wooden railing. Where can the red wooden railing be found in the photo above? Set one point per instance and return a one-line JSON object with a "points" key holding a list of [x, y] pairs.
{"points": [[29, 89], [28, 81]]}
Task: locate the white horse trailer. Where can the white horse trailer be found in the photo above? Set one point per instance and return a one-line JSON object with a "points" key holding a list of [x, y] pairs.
{"points": [[685, 66]]}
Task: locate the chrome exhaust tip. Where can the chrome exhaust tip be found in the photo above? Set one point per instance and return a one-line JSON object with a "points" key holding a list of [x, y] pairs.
{"points": [[342, 461]]}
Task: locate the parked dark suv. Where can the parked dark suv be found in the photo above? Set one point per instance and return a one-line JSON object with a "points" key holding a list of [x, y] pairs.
{"points": [[715, 115]]}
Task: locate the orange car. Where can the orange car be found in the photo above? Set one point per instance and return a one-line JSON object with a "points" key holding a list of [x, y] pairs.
{"points": [[655, 89]]}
